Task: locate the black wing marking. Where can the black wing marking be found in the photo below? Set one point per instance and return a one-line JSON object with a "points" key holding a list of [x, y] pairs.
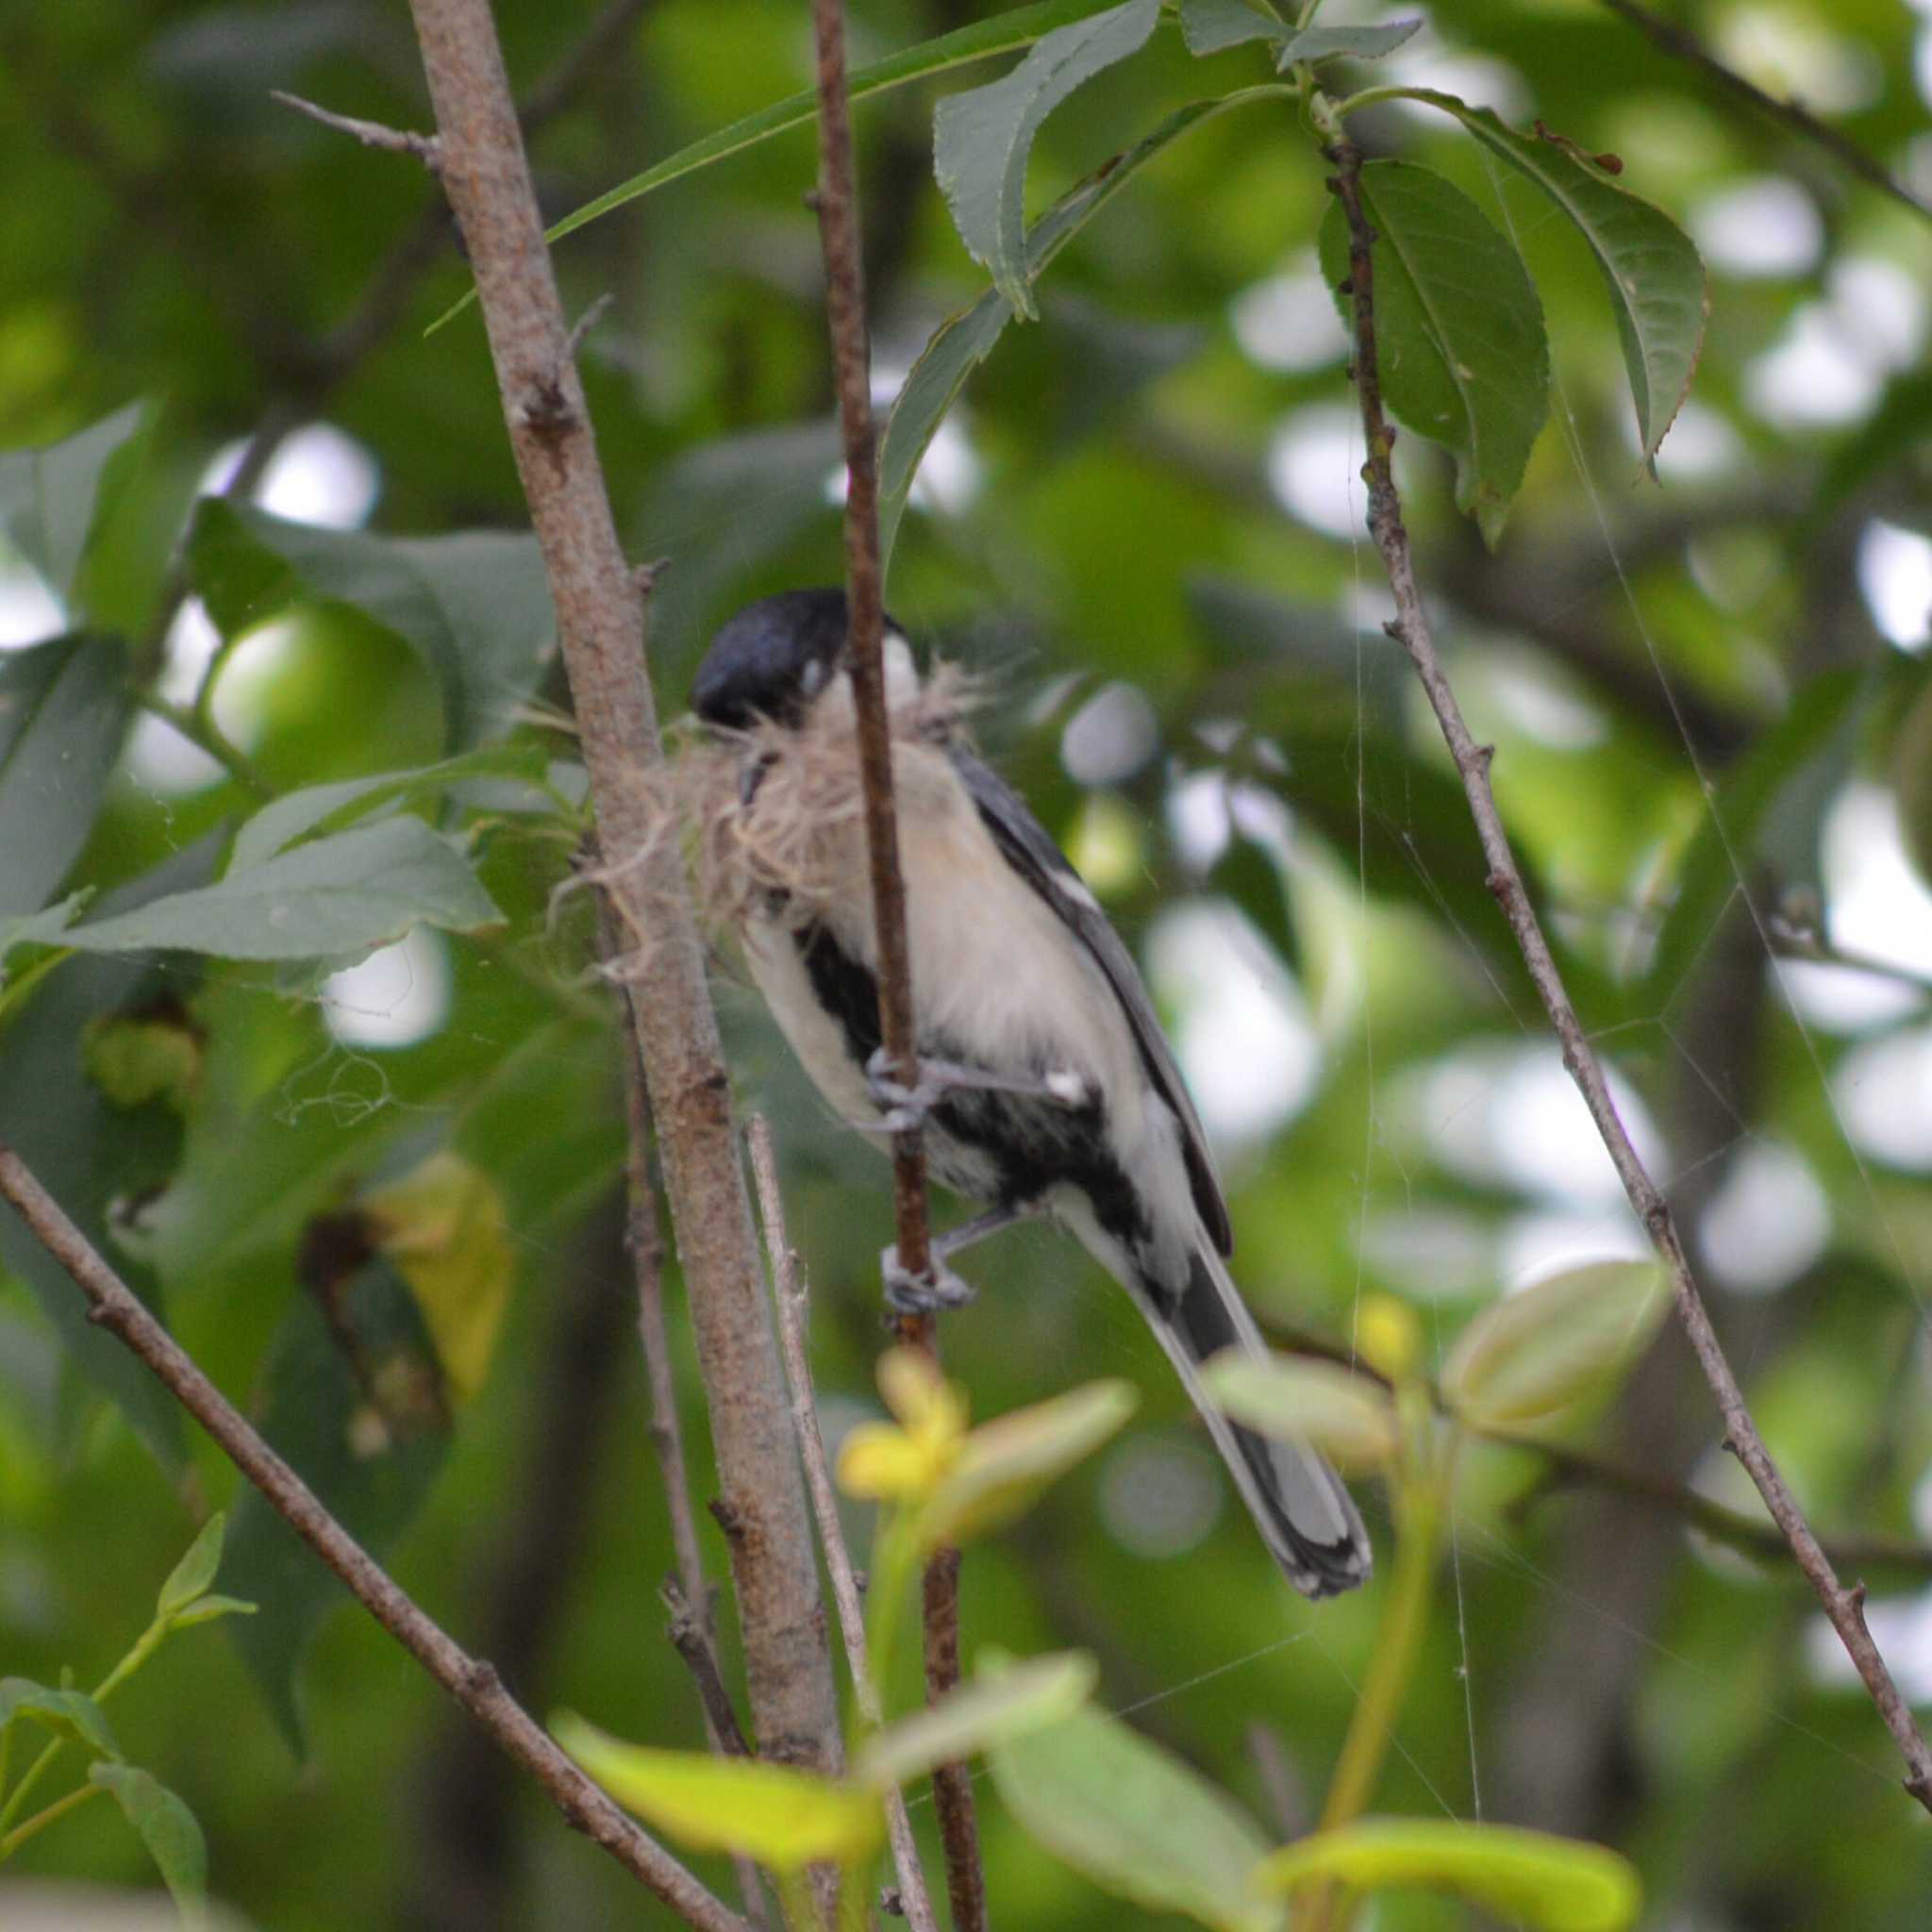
{"points": [[1028, 848]]}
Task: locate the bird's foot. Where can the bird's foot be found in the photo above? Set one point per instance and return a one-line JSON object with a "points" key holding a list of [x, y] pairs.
{"points": [[929, 1294], [903, 1107]]}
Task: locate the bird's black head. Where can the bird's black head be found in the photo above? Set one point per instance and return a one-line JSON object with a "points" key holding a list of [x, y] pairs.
{"points": [[770, 659]]}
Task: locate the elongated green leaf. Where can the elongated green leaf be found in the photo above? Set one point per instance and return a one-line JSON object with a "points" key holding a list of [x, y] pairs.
{"points": [[335, 896], [196, 1570], [42, 928], [783, 1818], [1530, 1878], [167, 1828], [982, 138], [331, 807], [1211, 27], [71, 1715], [1531, 1355], [49, 497], [1004, 1464], [1004, 33], [1348, 1417], [206, 1609], [1458, 329], [475, 606], [63, 712], [1655, 275], [1135, 1820], [1346, 42], [973, 1716], [963, 342], [1819, 727]]}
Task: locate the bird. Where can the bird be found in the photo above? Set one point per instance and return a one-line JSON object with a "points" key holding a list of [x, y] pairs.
{"points": [[1045, 1085]]}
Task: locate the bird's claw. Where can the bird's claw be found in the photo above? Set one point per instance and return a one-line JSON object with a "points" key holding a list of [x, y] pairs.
{"points": [[902, 1108], [930, 1293]]}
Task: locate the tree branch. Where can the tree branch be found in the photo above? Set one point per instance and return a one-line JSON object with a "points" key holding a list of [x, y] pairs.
{"points": [[1682, 44], [1410, 628], [469, 1680], [838, 211], [600, 623], [793, 1297]]}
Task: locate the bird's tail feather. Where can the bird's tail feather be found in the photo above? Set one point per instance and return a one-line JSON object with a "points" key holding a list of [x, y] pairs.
{"points": [[1303, 1512]]}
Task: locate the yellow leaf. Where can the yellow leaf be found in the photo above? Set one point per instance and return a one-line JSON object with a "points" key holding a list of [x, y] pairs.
{"points": [[783, 1818], [443, 1226]]}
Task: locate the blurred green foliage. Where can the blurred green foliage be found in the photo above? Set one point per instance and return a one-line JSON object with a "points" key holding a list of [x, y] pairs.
{"points": [[1143, 504]]}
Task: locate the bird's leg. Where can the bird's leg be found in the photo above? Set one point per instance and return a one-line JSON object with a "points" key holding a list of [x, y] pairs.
{"points": [[939, 1288], [903, 1107]]}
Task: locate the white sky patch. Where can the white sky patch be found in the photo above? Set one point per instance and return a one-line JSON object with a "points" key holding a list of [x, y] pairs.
{"points": [[1545, 706], [1900, 1627], [1531, 1247], [1110, 737], [1509, 1115], [1877, 907], [1700, 445], [29, 611], [1312, 465], [1198, 819], [1769, 1220], [1289, 322], [1813, 377], [1790, 53], [1895, 574], [398, 995], [159, 758], [1244, 1037], [1884, 1093], [1766, 225], [1881, 308], [950, 473], [319, 475]]}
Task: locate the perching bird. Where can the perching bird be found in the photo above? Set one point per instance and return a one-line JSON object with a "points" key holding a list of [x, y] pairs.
{"points": [[1046, 1084]]}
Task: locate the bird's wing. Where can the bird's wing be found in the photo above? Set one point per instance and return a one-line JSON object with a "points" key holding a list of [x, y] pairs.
{"points": [[1028, 848]]}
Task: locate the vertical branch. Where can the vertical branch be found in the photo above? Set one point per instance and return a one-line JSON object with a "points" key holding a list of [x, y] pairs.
{"points": [[1410, 628], [837, 210], [793, 1296], [600, 626]]}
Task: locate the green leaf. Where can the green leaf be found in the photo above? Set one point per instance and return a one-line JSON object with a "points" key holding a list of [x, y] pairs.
{"points": [[1349, 1418], [354, 1403], [1135, 1820], [1911, 781], [784, 1818], [992, 1709], [1006, 1463], [63, 712], [341, 895], [1820, 725], [45, 928], [1654, 273], [332, 807], [49, 497], [473, 605], [1211, 27], [71, 1715], [1458, 329], [1532, 1354], [206, 1609], [196, 1570], [1004, 33], [982, 136], [1315, 44], [1557, 1884], [167, 1828], [963, 342]]}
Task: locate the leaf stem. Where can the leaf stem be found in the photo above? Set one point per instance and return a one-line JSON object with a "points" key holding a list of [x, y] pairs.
{"points": [[41, 1819], [207, 738]]}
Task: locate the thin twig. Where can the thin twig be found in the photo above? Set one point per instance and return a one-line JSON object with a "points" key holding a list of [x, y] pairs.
{"points": [[792, 1296], [645, 1246], [1410, 628], [838, 213], [600, 630], [396, 140], [691, 1640], [1682, 44], [469, 1680]]}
